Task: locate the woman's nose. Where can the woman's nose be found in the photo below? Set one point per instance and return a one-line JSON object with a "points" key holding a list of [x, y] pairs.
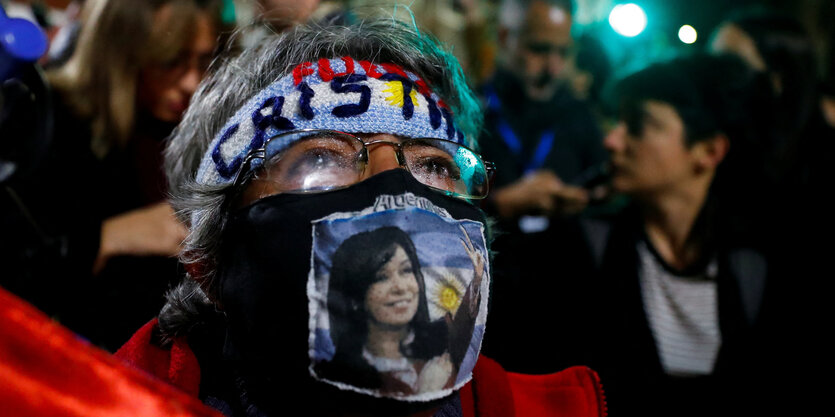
{"points": [[382, 156], [398, 285]]}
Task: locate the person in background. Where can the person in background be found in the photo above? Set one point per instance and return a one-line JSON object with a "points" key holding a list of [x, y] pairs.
{"points": [[546, 145], [591, 72], [782, 53], [103, 233], [541, 136], [289, 153], [259, 18], [796, 151], [683, 291]]}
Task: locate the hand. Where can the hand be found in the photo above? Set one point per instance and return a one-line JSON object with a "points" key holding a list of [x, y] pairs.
{"points": [[540, 192], [435, 374], [151, 230]]}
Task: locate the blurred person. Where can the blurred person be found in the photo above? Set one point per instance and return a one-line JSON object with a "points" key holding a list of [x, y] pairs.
{"points": [[282, 14], [65, 36], [682, 327], [796, 150], [592, 71], [260, 18], [295, 162], [103, 233], [546, 145], [781, 50], [541, 136]]}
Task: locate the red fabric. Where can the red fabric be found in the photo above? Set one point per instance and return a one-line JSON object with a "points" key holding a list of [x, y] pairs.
{"points": [[487, 393], [493, 392], [177, 365], [575, 391], [46, 370]]}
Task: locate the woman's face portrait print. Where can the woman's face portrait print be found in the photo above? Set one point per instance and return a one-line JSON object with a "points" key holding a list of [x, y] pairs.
{"points": [[397, 297], [393, 299]]}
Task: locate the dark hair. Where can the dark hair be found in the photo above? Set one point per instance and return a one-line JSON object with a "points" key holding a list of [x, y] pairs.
{"points": [[712, 95], [789, 53], [592, 58], [354, 269]]}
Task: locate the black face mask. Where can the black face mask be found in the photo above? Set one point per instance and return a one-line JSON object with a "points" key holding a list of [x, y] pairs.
{"points": [[379, 288]]}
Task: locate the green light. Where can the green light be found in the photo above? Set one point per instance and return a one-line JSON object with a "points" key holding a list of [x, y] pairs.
{"points": [[628, 19], [687, 34]]}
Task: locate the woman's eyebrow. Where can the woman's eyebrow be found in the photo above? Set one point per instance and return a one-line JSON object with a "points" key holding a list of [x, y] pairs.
{"points": [[365, 136]]}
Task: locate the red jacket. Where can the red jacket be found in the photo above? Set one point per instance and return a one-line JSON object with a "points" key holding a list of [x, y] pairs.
{"points": [[493, 392]]}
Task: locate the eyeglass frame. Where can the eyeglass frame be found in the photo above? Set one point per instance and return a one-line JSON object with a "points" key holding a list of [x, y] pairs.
{"points": [[240, 177]]}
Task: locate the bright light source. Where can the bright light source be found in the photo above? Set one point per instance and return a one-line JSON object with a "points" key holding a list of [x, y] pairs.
{"points": [[687, 34], [628, 19]]}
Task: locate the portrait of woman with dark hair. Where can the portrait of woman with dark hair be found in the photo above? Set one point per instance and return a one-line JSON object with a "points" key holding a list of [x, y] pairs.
{"points": [[377, 289]]}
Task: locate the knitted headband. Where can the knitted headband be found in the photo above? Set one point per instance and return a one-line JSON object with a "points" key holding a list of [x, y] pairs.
{"points": [[339, 94]]}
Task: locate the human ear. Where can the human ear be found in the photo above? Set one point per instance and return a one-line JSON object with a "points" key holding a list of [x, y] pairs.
{"points": [[711, 152]]}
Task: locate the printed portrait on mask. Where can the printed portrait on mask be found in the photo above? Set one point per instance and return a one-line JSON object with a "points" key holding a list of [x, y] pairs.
{"points": [[398, 298]]}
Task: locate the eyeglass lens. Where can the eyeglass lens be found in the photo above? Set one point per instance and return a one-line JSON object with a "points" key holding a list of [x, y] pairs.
{"points": [[321, 160]]}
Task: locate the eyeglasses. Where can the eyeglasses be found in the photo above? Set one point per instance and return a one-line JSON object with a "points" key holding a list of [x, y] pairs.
{"points": [[311, 161]]}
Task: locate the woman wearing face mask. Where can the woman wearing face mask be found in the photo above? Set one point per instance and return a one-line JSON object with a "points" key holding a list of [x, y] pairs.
{"points": [[130, 78], [319, 134]]}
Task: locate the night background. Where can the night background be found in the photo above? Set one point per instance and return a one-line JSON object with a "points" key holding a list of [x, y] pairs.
{"points": [[659, 40]]}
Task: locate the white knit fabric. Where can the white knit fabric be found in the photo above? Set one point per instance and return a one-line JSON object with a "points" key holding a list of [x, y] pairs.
{"points": [[682, 312]]}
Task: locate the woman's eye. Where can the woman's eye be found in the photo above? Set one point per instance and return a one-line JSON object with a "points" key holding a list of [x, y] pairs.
{"points": [[314, 167], [437, 167], [319, 158], [322, 157]]}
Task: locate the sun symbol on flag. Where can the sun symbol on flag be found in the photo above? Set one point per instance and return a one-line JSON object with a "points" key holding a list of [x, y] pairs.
{"points": [[395, 97], [445, 292]]}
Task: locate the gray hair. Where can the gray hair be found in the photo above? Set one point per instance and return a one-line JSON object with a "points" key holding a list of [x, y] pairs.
{"points": [[233, 82]]}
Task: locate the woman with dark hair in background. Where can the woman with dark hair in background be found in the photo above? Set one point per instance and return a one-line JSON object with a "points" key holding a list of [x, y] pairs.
{"points": [[103, 238], [781, 51], [377, 289], [796, 151]]}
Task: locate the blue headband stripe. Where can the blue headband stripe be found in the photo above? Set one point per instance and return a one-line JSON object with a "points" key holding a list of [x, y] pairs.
{"points": [[327, 95]]}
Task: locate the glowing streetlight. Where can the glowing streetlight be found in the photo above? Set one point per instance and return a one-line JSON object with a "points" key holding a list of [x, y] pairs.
{"points": [[687, 34], [628, 19]]}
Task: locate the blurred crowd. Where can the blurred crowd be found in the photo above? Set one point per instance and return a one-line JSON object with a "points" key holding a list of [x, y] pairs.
{"points": [[667, 228]]}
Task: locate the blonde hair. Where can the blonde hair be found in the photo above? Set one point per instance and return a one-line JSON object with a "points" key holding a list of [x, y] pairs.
{"points": [[118, 39]]}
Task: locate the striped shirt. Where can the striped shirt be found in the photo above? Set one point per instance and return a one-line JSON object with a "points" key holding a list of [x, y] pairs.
{"points": [[682, 312]]}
